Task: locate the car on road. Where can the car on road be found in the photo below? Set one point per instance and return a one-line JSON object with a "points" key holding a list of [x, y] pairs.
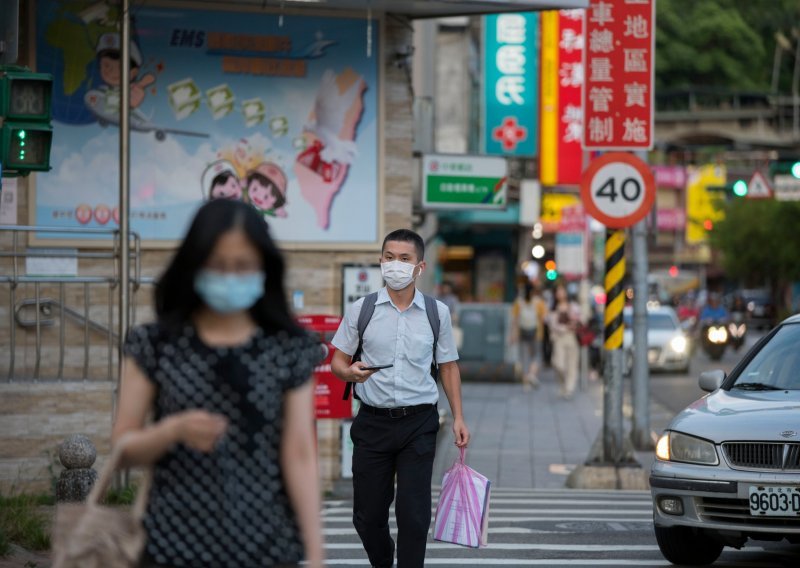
{"points": [[668, 346], [727, 467], [761, 310]]}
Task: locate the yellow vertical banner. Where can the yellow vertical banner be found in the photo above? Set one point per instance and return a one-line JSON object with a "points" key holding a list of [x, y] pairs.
{"points": [[548, 145], [702, 209]]}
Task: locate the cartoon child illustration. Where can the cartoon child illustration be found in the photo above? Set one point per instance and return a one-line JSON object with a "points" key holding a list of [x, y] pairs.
{"points": [[266, 189], [219, 181], [108, 54]]}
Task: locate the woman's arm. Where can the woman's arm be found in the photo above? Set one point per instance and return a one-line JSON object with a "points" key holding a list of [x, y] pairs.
{"points": [[196, 428], [299, 467]]}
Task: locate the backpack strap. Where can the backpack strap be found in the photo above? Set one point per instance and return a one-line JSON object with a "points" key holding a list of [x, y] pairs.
{"points": [[433, 317], [367, 309]]}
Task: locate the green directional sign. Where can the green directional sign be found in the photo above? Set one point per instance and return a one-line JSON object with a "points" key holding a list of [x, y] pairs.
{"points": [[463, 182]]}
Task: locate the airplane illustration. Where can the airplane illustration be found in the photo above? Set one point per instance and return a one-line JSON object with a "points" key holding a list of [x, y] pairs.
{"points": [[105, 107]]}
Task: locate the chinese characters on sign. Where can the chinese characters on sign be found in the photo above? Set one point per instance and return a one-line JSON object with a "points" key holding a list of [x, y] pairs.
{"points": [[463, 182], [510, 84], [562, 79], [618, 88]]}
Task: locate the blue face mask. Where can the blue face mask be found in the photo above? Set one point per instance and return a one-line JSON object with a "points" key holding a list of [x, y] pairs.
{"points": [[228, 293]]}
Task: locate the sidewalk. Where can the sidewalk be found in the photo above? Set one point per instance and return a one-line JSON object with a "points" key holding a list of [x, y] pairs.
{"points": [[531, 439]]}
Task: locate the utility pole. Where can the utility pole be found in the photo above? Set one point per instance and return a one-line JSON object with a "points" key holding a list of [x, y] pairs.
{"points": [[640, 375]]}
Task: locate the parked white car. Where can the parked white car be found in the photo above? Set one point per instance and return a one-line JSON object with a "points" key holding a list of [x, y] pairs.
{"points": [[668, 346], [728, 466]]}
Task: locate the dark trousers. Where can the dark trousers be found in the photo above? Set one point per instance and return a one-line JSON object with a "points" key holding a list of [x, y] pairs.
{"points": [[382, 448]]}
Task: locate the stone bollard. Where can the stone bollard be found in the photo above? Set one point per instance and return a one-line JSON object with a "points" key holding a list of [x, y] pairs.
{"points": [[77, 455]]}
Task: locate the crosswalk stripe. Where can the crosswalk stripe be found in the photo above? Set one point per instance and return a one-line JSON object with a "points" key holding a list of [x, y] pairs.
{"points": [[567, 547], [527, 511], [545, 562], [614, 502], [522, 562], [492, 519], [492, 530]]}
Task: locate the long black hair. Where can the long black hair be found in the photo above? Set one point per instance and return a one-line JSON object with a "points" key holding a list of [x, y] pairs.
{"points": [[175, 297]]}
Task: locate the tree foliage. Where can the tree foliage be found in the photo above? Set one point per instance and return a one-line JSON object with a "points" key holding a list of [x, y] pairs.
{"points": [[760, 241], [724, 43]]}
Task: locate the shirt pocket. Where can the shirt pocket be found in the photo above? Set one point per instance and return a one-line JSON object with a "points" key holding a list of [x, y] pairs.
{"points": [[419, 348]]}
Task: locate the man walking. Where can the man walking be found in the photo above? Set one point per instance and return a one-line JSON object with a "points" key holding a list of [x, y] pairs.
{"points": [[395, 430]]}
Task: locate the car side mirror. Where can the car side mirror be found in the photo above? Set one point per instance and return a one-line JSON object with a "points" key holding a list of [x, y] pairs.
{"points": [[711, 380]]}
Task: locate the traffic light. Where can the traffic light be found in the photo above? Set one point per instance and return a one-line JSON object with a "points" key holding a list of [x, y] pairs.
{"points": [[740, 188], [785, 166], [552, 272], [25, 110]]}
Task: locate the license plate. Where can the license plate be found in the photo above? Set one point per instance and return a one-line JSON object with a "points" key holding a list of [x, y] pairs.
{"points": [[767, 501]]}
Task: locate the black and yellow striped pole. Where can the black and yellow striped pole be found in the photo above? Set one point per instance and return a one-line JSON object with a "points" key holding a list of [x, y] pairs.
{"points": [[615, 293], [614, 330]]}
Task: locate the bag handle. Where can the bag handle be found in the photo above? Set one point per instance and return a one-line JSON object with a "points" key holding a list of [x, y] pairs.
{"points": [[102, 483], [463, 453]]}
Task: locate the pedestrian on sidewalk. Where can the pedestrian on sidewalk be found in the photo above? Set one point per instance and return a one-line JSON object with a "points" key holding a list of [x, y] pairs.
{"points": [[394, 433], [528, 316], [225, 371], [564, 319]]}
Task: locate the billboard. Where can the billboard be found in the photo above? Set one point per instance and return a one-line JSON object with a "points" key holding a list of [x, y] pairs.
{"points": [[281, 112]]}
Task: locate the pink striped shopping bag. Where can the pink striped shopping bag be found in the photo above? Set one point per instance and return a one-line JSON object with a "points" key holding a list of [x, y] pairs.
{"points": [[462, 515]]}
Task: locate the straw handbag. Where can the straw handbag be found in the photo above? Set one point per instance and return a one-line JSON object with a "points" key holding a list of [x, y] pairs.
{"points": [[91, 535]]}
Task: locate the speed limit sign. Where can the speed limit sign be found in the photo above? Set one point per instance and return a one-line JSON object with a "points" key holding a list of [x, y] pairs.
{"points": [[618, 189]]}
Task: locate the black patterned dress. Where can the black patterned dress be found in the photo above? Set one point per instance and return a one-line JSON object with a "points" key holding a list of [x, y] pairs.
{"points": [[228, 507]]}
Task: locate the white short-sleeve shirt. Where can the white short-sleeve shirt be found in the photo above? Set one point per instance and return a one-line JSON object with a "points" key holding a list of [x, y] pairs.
{"points": [[404, 339]]}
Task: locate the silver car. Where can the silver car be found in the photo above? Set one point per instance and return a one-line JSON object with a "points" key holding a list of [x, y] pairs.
{"points": [[728, 466], [668, 347]]}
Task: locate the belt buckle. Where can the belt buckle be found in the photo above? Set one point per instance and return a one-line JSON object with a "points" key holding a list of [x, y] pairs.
{"points": [[402, 411]]}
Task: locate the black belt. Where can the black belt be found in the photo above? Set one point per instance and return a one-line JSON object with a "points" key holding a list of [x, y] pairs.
{"points": [[397, 412]]}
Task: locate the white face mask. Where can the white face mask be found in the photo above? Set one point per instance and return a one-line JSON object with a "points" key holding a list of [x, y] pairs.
{"points": [[397, 274]]}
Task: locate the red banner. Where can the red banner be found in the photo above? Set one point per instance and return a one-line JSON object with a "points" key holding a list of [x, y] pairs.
{"points": [[618, 87], [570, 81]]}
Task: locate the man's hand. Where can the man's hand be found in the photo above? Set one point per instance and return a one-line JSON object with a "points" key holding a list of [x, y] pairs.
{"points": [[357, 374], [461, 432]]}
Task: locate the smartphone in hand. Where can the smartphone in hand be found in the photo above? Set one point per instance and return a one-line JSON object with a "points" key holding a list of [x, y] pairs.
{"points": [[377, 367]]}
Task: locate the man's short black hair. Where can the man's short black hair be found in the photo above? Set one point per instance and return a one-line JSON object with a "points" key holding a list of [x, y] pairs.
{"points": [[407, 236]]}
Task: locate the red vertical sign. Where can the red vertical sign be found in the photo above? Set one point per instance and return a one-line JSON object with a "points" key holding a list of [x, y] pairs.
{"points": [[570, 80], [618, 87]]}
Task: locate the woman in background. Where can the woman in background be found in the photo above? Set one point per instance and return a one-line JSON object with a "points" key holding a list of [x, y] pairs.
{"points": [[225, 372], [563, 323], [528, 315]]}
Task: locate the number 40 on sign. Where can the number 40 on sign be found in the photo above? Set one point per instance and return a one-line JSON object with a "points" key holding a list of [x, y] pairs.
{"points": [[618, 189]]}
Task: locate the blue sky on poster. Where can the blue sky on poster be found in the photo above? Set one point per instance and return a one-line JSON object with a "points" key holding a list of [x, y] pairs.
{"points": [[166, 175]]}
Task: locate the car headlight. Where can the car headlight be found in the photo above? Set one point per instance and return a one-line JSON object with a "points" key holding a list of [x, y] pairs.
{"points": [[677, 447], [678, 344]]}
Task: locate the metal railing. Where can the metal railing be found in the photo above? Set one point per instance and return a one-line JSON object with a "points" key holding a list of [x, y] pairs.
{"points": [[39, 303]]}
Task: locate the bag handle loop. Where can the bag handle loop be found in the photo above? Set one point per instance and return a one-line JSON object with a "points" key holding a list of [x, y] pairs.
{"points": [[102, 483]]}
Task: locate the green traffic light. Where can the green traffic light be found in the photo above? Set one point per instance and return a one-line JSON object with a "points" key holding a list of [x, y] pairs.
{"points": [[551, 275], [796, 170], [740, 188]]}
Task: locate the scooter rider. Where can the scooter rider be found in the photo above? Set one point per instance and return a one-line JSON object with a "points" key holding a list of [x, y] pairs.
{"points": [[713, 311]]}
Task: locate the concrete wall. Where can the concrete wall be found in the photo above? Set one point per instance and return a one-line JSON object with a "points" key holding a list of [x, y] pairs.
{"points": [[35, 416]]}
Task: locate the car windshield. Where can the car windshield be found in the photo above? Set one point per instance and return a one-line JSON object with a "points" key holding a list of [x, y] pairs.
{"points": [[661, 322], [776, 365]]}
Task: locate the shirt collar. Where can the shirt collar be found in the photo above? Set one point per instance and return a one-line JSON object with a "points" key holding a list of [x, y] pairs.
{"points": [[419, 298]]}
